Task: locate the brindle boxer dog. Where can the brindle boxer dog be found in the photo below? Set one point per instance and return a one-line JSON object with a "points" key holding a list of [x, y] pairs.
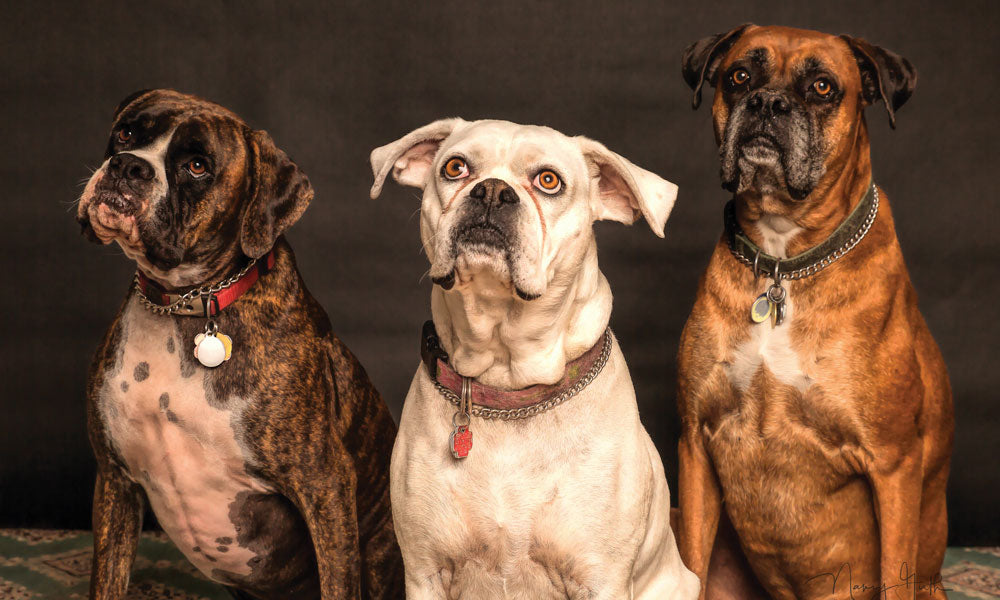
{"points": [[824, 435], [269, 471]]}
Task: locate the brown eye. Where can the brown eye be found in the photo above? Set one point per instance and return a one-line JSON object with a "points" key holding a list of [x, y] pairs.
{"points": [[124, 134], [548, 181], [455, 168], [822, 87], [740, 76], [197, 167]]}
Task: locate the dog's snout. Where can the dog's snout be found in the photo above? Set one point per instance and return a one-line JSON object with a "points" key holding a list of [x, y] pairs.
{"points": [[131, 168], [494, 192], [769, 102]]}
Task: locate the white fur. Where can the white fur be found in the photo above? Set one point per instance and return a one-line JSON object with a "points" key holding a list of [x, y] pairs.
{"points": [[489, 332], [192, 468], [569, 503], [770, 347]]}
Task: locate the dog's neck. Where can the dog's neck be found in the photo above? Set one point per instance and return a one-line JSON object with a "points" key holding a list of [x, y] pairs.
{"points": [[783, 227], [509, 343], [185, 276]]}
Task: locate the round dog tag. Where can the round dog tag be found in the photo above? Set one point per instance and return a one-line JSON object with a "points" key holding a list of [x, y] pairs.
{"points": [[212, 348], [210, 351], [760, 310]]}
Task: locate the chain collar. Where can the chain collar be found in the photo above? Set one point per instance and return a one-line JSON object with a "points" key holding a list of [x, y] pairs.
{"points": [[524, 412], [207, 300], [847, 235]]}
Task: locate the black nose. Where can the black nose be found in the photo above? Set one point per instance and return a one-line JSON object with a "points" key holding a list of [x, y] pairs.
{"points": [[494, 193], [769, 102], [131, 167]]}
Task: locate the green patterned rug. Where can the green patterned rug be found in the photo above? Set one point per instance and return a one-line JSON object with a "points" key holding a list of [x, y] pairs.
{"points": [[38, 563]]}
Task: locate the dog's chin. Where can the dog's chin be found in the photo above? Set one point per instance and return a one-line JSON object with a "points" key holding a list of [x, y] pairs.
{"points": [[757, 166], [107, 218], [473, 261]]}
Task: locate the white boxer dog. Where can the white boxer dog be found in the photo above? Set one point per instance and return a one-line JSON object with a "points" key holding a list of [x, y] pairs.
{"points": [[560, 492]]}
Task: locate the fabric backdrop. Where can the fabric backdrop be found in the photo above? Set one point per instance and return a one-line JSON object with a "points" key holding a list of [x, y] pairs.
{"points": [[331, 81]]}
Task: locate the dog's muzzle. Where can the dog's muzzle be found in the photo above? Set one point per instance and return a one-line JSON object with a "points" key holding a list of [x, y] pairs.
{"points": [[127, 179], [488, 215], [769, 135]]}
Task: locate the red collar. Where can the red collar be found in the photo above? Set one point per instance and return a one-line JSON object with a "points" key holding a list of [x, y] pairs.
{"points": [[436, 361], [207, 304]]}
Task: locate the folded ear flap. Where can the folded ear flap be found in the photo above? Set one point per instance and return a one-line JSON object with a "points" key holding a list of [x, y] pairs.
{"points": [[885, 75], [701, 59], [622, 191], [410, 157], [279, 194]]}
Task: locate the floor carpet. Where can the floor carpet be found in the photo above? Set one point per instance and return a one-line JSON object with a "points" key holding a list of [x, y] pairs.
{"points": [[37, 563]]}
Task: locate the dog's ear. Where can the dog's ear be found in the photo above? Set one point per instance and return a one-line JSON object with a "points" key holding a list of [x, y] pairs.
{"points": [[622, 191], [279, 194], [410, 157], [885, 75], [129, 100], [701, 59]]}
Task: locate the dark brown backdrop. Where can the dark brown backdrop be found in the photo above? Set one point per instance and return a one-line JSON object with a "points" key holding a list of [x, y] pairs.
{"points": [[332, 82]]}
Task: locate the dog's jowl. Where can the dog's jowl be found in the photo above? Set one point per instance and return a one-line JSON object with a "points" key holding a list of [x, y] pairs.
{"points": [[521, 469], [815, 406], [220, 395]]}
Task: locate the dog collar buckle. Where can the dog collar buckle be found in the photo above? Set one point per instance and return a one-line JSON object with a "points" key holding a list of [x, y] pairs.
{"points": [[431, 350]]}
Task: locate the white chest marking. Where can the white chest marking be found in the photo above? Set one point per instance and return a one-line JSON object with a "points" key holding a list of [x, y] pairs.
{"points": [[777, 232], [770, 346], [178, 441]]}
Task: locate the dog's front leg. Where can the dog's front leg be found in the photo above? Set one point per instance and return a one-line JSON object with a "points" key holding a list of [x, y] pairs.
{"points": [[896, 488], [327, 501], [117, 520], [700, 503]]}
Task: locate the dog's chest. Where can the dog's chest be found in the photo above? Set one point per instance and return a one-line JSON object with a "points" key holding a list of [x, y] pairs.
{"points": [[783, 419], [178, 440], [538, 506]]}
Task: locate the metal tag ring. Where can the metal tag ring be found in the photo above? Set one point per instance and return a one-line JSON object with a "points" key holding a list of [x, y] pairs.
{"points": [[776, 294], [465, 420]]}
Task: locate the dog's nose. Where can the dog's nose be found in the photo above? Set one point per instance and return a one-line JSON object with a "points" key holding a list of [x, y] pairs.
{"points": [[769, 102], [131, 167], [494, 193]]}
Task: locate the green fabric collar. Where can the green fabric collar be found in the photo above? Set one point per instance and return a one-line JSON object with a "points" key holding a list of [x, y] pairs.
{"points": [[841, 241]]}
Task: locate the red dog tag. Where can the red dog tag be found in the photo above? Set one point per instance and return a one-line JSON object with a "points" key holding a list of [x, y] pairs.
{"points": [[461, 442]]}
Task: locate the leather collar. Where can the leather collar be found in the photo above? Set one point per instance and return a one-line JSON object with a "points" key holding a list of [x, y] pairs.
{"points": [[813, 260], [209, 303], [491, 402]]}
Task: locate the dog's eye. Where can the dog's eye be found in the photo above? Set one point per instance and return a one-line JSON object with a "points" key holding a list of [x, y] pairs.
{"points": [[124, 134], [197, 167], [547, 181], [740, 76], [455, 168], [822, 87]]}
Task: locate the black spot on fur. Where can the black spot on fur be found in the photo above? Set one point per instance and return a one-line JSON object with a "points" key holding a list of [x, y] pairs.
{"points": [[141, 371], [124, 386], [170, 345], [164, 401], [173, 418], [222, 548], [196, 549], [224, 540]]}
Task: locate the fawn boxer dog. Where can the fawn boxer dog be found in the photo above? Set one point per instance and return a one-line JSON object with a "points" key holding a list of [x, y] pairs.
{"points": [[220, 395], [521, 469], [815, 406]]}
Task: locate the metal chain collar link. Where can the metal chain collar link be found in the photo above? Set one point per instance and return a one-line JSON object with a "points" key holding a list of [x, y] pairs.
{"points": [[511, 414], [827, 260], [184, 301]]}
